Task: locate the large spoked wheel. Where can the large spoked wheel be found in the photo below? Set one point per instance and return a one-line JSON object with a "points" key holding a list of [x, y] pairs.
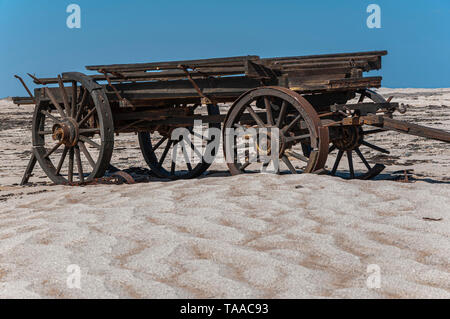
{"points": [[262, 115], [181, 154], [348, 140], [73, 131]]}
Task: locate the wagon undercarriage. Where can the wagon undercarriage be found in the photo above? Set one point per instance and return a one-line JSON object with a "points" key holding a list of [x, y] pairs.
{"points": [[315, 104]]}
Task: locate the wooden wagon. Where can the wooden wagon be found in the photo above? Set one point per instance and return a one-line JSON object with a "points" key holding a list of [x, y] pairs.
{"points": [[306, 98]]}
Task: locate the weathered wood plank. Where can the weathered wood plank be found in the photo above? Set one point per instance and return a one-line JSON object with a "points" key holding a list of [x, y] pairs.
{"points": [[417, 130], [173, 64], [306, 57]]}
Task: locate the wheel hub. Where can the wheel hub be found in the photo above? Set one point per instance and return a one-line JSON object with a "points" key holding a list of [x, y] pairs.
{"points": [[348, 138], [264, 142], [66, 132]]}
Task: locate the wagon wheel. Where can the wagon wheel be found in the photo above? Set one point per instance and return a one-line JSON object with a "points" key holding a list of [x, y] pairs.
{"points": [[278, 123], [73, 128], [181, 158], [349, 139]]}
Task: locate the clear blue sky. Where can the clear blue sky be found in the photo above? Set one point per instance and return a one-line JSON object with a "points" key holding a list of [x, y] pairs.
{"points": [[34, 37]]}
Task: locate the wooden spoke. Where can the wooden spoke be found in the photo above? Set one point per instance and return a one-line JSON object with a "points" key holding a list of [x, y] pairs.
{"points": [[164, 154], [297, 156], [350, 164], [268, 111], [86, 153], [82, 104], [81, 95], [255, 116], [61, 160], [70, 172], [54, 148], [157, 145], [288, 163], [74, 98], [51, 117], [186, 156], [282, 114], [363, 159], [55, 102], [336, 163], [91, 111], [201, 136], [377, 148], [288, 127], [265, 165], [88, 141], [173, 166], [296, 138], [196, 151], [245, 165], [45, 132], [174, 158], [331, 149], [79, 165], [89, 130], [361, 98], [64, 96]]}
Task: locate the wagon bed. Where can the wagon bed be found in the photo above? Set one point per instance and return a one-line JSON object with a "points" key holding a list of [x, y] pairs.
{"points": [[234, 76]]}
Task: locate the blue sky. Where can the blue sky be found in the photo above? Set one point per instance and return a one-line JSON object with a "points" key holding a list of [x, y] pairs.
{"points": [[34, 37]]}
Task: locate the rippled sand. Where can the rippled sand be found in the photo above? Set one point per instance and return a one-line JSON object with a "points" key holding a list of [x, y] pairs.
{"points": [[253, 236]]}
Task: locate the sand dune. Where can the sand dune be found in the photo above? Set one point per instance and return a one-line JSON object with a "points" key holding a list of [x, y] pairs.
{"points": [[252, 236]]}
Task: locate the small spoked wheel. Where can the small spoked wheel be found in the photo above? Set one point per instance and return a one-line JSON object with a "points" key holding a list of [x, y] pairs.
{"points": [[181, 152], [348, 140], [73, 132], [273, 129]]}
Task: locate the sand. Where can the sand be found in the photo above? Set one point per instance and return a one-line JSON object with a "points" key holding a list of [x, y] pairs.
{"points": [[249, 236]]}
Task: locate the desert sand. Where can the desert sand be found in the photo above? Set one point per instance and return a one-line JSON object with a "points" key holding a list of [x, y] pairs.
{"points": [[218, 236]]}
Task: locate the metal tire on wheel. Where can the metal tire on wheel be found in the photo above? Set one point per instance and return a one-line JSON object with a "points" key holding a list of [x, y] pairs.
{"points": [[73, 129], [295, 119], [194, 166], [349, 141]]}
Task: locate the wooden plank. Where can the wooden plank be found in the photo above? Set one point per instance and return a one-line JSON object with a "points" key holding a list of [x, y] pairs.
{"points": [[327, 73], [371, 58], [325, 65], [297, 84], [372, 81], [158, 75], [19, 100], [226, 87], [306, 57], [173, 64]]}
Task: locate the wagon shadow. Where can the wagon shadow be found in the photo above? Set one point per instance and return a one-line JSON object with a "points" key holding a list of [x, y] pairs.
{"points": [[393, 177], [343, 175]]}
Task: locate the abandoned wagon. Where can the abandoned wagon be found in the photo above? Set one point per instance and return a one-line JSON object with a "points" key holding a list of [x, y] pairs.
{"points": [[306, 98]]}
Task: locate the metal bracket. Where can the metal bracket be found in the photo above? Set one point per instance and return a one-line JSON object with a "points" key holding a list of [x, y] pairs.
{"points": [[364, 108], [122, 101], [204, 98], [26, 87]]}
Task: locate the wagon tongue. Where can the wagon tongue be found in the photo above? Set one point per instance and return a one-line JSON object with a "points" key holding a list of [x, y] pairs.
{"points": [[417, 130]]}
